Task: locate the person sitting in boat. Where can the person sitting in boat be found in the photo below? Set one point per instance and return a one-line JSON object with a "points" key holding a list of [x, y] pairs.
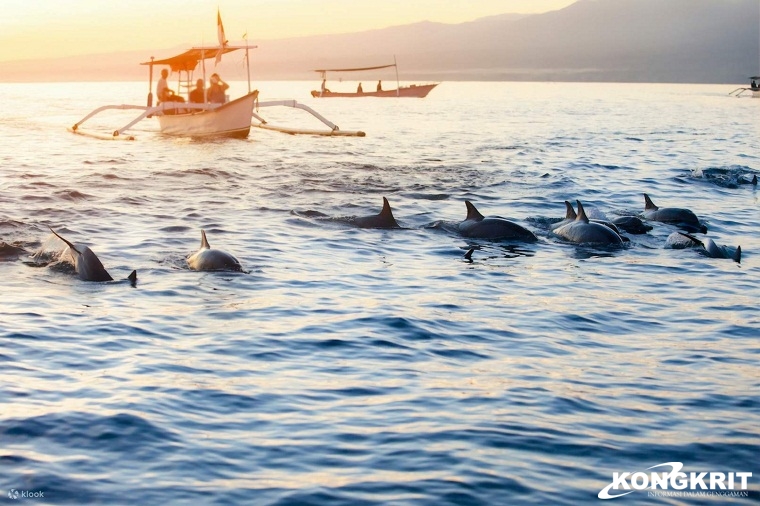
{"points": [[753, 85], [324, 86], [379, 86], [197, 96], [359, 88], [164, 93], [216, 90]]}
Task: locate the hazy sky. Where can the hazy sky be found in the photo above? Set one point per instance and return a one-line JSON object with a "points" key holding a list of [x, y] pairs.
{"points": [[31, 29]]}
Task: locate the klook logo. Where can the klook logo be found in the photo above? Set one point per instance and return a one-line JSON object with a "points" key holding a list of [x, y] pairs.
{"points": [[675, 483], [25, 494]]}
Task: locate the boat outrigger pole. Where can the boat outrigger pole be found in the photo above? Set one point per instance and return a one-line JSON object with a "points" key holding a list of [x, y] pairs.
{"points": [[398, 83]]}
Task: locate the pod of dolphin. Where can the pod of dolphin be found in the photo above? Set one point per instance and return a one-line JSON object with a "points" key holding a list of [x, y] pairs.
{"points": [[576, 228]]}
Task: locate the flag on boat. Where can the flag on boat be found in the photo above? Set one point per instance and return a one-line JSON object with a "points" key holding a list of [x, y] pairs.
{"points": [[220, 35]]}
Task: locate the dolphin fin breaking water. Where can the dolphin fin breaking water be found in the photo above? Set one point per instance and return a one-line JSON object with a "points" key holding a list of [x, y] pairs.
{"points": [[682, 218], [713, 250], [384, 219], [582, 230], [209, 259], [87, 265], [475, 225]]}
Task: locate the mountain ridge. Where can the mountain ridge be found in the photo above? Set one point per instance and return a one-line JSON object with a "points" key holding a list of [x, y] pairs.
{"points": [[699, 41]]}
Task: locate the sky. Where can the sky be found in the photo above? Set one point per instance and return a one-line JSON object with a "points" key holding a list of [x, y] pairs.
{"points": [[38, 29]]}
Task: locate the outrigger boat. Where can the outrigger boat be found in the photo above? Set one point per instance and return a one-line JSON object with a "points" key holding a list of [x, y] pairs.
{"points": [[414, 90], [754, 88], [186, 119]]}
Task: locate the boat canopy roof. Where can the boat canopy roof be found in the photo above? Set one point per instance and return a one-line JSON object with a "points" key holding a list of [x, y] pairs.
{"points": [[755, 77], [188, 60], [356, 69]]}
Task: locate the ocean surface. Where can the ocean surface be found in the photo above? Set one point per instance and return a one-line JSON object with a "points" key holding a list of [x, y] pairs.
{"points": [[351, 366]]}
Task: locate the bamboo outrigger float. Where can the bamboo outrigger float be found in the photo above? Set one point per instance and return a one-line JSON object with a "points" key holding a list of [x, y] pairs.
{"points": [[180, 117]]}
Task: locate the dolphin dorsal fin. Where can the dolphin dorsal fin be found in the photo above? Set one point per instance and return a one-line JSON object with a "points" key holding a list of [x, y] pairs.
{"points": [[738, 253], [581, 213], [386, 211], [472, 213], [754, 180], [204, 241], [648, 204], [387, 215], [67, 242], [570, 213]]}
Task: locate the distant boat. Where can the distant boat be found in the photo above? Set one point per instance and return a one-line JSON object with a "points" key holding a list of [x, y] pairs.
{"points": [[178, 116], [414, 90], [754, 88]]}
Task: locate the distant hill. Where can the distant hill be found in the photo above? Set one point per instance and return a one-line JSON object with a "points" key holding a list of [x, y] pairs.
{"points": [[698, 41]]}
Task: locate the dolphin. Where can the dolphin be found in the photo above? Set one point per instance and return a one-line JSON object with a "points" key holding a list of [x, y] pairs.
{"points": [[682, 218], [712, 250], [384, 219], [208, 259], [678, 240], [475, 225], [632, 224], [582, 230], [570, 216], [87, 265]]}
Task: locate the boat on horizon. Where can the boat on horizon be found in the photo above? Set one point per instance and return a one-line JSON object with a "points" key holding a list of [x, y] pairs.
{"points": [[179, 116], [754, 88], [412, 90]]}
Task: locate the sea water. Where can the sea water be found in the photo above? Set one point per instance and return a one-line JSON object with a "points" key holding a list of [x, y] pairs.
{"points": [[360, 366]]}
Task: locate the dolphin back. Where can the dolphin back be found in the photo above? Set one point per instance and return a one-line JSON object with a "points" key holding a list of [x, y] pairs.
{"points": [[583, 231], [684, 218], [90, 268], [631, 224], [384, 219], [477, 227], [580, 232], [711, 248], [715, 251], [208, 259], [86, 263]]}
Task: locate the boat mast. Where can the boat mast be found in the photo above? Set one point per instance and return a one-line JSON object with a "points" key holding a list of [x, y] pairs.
{"points": [[247, 62], [203, 70], [150, 84], [398, 85]]}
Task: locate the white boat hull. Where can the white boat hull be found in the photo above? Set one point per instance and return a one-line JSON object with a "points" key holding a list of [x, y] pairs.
{"points": [[232, 119]]}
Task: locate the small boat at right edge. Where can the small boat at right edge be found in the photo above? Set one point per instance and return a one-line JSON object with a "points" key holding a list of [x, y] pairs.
{"points": [[753, 90], [413, 90]]}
